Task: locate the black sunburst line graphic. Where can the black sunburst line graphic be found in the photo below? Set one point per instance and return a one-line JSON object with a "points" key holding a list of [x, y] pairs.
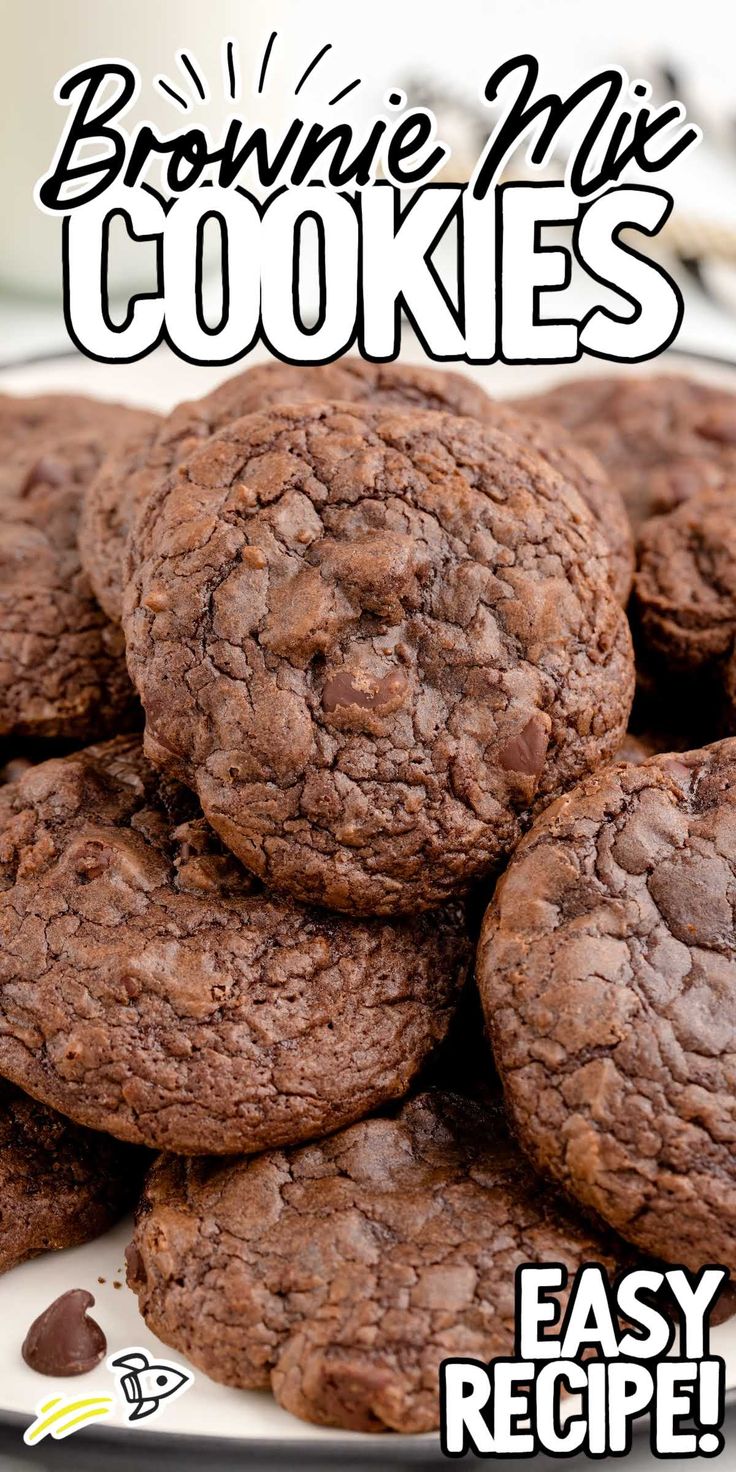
{"points": [[187, 67], [199, 92], [231, 69]]}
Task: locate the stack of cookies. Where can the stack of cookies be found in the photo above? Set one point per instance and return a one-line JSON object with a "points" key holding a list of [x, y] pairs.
{"points": [[294, 684]]}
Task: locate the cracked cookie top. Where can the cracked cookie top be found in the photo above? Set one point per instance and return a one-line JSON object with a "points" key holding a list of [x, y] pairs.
{"points": [[662, 438], [685, 590], [133, 470], [341, 1274], [62, 663], [372, 642], [150, 988], [607, 968], [59, 1184]]}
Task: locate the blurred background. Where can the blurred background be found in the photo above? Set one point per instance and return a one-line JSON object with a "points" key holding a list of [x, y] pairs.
{"points": [[439, 53]]}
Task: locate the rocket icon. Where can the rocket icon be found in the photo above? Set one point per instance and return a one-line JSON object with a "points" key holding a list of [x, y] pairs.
{"points": [[144, 1383]]}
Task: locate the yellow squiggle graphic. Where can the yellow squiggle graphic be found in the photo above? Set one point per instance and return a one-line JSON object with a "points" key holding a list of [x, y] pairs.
{"points": [[57, 1425]]}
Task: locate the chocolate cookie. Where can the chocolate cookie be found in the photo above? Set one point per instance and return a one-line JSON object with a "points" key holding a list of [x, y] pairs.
{"points": [[150, 988], [662, 439], [134, 469], [131, 472], [62, 663], [582, 470], [685, 589], [607, 969], [371, 642], [343, 1273], [59, 1185], [105, 514], [64, 1339]]}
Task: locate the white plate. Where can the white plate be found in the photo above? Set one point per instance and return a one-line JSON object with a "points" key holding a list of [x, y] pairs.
{"points": [[206, 1408]]}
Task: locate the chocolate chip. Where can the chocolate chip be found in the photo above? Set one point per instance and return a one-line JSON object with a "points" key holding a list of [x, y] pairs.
{"points": [[359, 689], [606, 968], [63, 1340], [526, 751]]}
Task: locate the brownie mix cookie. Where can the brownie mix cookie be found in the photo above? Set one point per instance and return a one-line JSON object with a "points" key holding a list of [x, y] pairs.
{"points": [[134, 468], [59, 1185], [607, 969], [16, 756], [341, 1274], [372, 642], [62, 663], [132, 471], [685, 589], [662, 439], [106, 509], [582, 470], [150, 988]]}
